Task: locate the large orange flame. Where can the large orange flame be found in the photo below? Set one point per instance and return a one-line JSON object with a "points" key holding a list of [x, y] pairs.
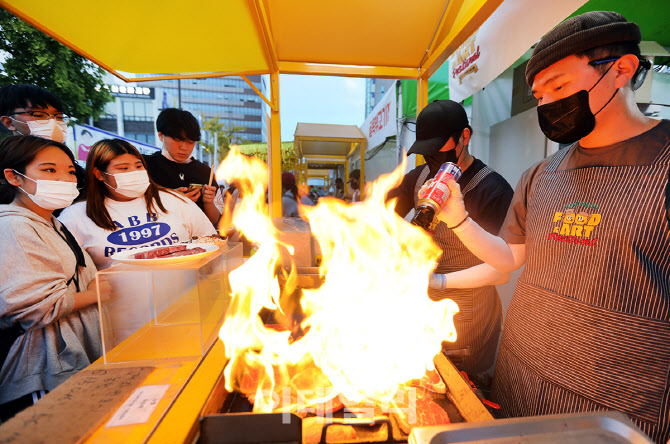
{"points": [[367, 329]]}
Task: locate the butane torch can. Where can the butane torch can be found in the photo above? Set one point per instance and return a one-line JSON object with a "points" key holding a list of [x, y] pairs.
{"points": [[436, 195]]}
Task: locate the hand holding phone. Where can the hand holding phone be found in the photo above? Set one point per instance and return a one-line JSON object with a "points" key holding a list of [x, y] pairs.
{"points": [[192, 192]]}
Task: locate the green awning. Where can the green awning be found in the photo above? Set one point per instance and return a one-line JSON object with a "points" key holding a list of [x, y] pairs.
{"points": [[650, 15]]}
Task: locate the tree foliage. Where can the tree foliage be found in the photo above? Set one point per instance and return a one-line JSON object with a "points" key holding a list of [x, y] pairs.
{"points": [[289, 158], [225, 136], [34, 58]]}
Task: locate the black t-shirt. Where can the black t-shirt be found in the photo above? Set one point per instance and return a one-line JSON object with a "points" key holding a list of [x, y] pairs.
{"points": [[486, 203], [174, 175], [642, 149]]}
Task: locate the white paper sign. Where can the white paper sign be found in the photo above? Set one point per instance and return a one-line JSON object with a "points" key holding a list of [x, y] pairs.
{"points": [[504, 37], [381, 123], [139, 406]]}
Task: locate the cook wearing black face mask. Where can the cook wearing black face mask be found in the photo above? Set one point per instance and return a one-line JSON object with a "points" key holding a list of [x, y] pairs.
{"points": [[443, 135], [569, 119], [453, 155], [590, 224]]}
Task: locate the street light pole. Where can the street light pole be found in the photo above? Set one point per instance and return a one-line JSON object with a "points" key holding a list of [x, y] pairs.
{"points": [[179, 91]]}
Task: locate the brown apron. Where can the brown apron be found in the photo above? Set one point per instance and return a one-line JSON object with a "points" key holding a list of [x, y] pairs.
{"points": [[589, 324], [480, 312]]}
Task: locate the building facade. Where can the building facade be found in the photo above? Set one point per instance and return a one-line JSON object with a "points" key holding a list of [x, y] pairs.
{"points": [[230, 99], [132, 114], [374, 91]]}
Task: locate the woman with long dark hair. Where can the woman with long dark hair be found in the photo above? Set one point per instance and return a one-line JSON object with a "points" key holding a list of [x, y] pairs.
{"points": [[49, 325], [125, 209]]}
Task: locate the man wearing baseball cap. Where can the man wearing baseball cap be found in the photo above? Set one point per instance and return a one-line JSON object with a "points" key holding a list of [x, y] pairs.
{"points": [[442, 135], [589, 324]]}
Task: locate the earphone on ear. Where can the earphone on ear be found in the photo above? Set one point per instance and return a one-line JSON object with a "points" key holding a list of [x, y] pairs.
{"points": [[641, 73]]}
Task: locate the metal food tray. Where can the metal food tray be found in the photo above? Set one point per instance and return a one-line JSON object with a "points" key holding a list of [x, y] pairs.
{"points": [[592, 428]]}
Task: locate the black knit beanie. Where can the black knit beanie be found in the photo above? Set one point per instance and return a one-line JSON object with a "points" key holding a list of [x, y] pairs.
{"points": [[577, 34]]}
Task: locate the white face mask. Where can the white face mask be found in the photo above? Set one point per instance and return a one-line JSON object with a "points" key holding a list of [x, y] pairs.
{"points": [[52, 194], [47, 129], [131, 184], [167, 155]]}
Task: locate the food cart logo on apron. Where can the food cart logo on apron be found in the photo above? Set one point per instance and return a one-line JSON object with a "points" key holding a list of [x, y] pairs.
{"points": [[575, 228]]}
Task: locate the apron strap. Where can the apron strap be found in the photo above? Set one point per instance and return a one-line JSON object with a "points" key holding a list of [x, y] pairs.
{"points": [[419, 183], [558, 158], [664, 156], [481, 174]]}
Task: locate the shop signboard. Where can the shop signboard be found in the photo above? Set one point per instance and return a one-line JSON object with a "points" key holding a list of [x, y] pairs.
{"points": [[381, 123], [507, 34]]}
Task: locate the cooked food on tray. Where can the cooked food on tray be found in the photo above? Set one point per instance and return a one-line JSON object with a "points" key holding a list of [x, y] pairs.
{"points": [[169, 251], [214, 240]]}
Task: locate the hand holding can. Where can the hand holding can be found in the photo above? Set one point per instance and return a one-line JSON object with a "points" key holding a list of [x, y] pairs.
{"points": [[453, 211], [436, 196]]}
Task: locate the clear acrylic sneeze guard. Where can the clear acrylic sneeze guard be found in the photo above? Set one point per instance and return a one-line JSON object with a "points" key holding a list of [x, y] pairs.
{"points": [[165, 312]]}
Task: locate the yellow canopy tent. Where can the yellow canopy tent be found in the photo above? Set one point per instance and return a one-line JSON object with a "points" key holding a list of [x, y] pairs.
{"points": [[318, 145], [213, 38]]}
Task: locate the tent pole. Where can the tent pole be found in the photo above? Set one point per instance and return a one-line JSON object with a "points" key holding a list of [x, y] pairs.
{"points": [[361, 184], [346, 177], [274, 196], [421, 102]]}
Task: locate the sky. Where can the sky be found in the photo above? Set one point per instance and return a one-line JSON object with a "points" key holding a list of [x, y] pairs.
{"points": [[319, 99]]}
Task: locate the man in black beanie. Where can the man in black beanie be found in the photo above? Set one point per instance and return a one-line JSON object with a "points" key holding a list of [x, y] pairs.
{"points": [[589, 324], [443, 135]]}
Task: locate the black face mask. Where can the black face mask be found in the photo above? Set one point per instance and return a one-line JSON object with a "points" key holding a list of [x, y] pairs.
{"points": [[436, 160], [569, 119]]}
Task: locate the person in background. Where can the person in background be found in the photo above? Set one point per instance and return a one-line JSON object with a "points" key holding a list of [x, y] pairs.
{"points": [[355, 183], [49, 324], [125, 209], [313, 194], [291, 196], [306, 198], [339, 188], [31, 110], [174, 168], [227, 199], [443, 135], [289, 200], [588, 328]]}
